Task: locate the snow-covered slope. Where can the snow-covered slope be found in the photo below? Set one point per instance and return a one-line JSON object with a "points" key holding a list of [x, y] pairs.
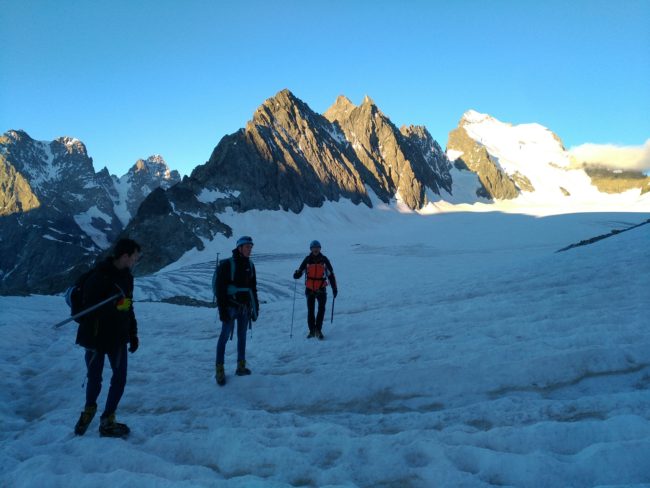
{"points": [[464, 352]]}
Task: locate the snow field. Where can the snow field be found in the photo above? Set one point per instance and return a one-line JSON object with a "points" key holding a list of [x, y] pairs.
{"points": [[464, 352]]}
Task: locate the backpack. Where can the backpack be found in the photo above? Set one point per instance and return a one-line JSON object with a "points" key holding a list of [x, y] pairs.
{"points": [[232, 273], [74, 295], [315, 278], [232, 289]]}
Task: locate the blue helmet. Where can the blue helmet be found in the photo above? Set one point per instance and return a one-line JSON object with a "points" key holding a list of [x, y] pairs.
{"points": [[244, 240], [314, 244]]}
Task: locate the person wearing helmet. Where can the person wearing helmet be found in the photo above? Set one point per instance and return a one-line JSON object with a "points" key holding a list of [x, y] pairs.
{"points": [[318, 272], [236, 292]]}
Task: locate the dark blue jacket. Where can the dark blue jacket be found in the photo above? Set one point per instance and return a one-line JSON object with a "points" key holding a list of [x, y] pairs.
{"points": [[107, 327]]}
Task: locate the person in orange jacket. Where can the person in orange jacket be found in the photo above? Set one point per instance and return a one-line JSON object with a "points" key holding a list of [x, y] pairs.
{"points": [[318, 272]]}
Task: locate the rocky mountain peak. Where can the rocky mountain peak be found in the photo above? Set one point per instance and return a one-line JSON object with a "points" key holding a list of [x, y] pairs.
{"points": [[72, 145], [282, 100], [474, 117], [281, 109], [155, 167], [16, 136], [392, 163], [367, 101], [341, 108]]}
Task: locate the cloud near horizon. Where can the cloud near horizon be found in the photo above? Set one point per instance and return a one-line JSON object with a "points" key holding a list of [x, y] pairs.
{"points": [[635, 158]]}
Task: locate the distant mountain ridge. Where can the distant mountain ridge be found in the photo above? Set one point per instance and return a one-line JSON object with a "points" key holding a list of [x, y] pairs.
{"points": [[286, 157], [57, 214]]}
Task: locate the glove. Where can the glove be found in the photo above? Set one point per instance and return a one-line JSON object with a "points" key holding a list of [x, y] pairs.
{"points": [[135, 343], [124, 304], [335, 291], [223, 315], [296, 274]]}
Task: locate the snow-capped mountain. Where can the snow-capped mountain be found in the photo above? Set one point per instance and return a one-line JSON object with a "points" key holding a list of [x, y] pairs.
{"points": [[57, 214], [526, 161]]}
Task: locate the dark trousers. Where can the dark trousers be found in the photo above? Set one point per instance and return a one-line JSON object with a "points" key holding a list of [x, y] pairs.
{"points": [[315, 320], [241, 315], [118, 360]]}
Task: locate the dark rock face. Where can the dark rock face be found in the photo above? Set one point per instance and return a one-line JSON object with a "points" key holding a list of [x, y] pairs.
{"points": [[165, 230], [39, 249], [57, 215], [433, 154], [287, 157]]}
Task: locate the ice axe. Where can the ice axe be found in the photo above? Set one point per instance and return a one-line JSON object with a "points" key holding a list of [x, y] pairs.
{"points": [[88, 310]]}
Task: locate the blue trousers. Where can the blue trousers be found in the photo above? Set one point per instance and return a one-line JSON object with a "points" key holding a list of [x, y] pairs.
{"points": [[118, 360], [241, 315]]}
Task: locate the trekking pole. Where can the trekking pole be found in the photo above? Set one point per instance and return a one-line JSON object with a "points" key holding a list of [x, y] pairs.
{"points": [[84, 312], [293, 308], [333, 300]]}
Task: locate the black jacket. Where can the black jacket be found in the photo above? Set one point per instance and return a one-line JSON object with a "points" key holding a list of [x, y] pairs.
{"points": [[318, 259], [244, 277], [107, 327]]}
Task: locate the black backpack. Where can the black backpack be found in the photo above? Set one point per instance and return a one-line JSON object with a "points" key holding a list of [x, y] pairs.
{"points": [[74, 295]]}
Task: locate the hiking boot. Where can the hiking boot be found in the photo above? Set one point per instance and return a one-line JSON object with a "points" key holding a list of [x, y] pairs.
{"points": [[319, 335], [221, 375], [84, 419], [242, 370], [108, 427], [311, 334]]}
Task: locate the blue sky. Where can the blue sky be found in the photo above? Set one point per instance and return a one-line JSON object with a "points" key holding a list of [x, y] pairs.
{"points": [[135, 78]]}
